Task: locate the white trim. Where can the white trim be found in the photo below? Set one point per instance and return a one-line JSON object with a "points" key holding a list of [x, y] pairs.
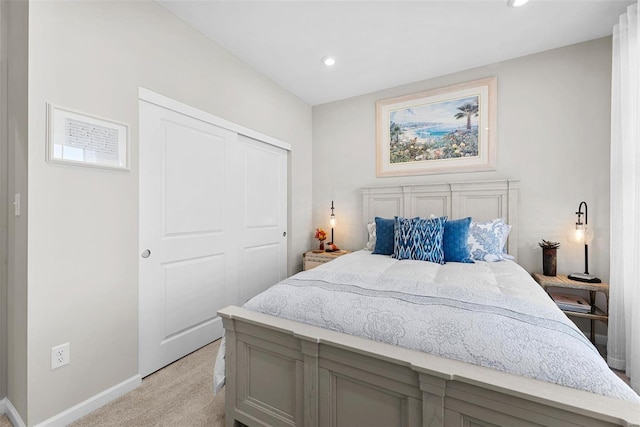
{"points": [[91, 404], [7, 408], [171, 104]]}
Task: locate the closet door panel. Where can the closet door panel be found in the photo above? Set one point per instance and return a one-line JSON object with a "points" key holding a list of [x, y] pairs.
{"points": [[263, 237], [213, 222], [187, 186]]}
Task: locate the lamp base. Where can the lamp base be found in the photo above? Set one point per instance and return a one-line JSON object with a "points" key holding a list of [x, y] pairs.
{"points": [[584, 277]]}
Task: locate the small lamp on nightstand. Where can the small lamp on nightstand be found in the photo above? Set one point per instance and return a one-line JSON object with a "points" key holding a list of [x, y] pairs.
{"points": [[332, 220], [583, 234]]}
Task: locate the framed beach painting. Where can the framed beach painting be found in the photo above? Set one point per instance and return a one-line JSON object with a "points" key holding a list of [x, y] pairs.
{"points": [[445, 130]]}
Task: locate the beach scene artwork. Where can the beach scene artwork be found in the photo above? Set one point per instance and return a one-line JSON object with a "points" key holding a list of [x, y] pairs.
{"points": [[441, 130]]}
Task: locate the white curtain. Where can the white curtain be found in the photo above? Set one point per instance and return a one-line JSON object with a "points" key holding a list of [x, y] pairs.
{"points": [[623, 347]]}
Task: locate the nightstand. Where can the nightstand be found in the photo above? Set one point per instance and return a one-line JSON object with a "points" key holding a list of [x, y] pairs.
{"points": [[313, 259], [562, 281]]}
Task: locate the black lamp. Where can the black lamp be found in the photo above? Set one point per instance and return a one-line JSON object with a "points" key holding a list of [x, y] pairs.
{"points": [[332, 221], [583, 234]]}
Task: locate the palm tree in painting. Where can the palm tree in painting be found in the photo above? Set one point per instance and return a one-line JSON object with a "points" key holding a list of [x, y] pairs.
{"points": [[467, 110], [394, 131]]}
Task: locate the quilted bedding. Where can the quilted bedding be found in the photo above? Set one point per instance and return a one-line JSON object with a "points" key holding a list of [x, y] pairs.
{"points": [[489, 314]]}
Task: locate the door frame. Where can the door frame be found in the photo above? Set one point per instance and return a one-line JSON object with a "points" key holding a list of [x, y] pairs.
{"points": [[171, 104]]}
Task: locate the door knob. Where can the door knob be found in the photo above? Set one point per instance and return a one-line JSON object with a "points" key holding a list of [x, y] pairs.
{"points": [[145, 253], [284, 234]]}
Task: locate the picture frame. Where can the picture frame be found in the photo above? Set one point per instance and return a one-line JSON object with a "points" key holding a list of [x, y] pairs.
{"points": [[85, 140], [446, 130]]}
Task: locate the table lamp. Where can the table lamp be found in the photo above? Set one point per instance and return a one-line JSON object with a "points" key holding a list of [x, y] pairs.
{"points": [[332, 220], [583, 234]]}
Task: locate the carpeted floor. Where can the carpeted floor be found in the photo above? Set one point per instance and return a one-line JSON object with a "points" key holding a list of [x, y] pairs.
{"points": [[179, 395], [4, 421]]}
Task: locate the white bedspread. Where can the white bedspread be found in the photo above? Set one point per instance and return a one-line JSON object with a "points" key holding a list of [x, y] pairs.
{"points": [[488, 314]]}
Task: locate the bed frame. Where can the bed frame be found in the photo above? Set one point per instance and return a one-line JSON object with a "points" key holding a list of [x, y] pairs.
{"points": [[285, 373]]}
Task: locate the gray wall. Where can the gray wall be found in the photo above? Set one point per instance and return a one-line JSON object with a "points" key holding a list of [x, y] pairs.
{"points": [[17, 182], [553, 135], [4, 177], [83, 222]]}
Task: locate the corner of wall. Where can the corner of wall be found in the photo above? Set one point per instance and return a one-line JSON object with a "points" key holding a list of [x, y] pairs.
{"points": [[3, 200], [7, 408], [17, 44]]}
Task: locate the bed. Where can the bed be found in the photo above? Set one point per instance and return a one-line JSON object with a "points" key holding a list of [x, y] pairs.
{"points": [[370, 340]]}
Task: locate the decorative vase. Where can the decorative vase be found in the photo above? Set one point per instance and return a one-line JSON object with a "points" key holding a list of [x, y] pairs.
{"points": [[321, 245], [549, 261]]}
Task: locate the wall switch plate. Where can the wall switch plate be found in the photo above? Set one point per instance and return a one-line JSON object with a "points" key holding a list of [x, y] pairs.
{"points": [[60, 356], [16, 204]]}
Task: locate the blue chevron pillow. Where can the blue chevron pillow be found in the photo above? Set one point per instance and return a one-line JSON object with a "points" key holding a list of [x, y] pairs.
{"points": [[419, 239]]}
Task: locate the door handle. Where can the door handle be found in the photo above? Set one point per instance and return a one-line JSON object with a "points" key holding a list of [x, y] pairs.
{"points": [[146, 253], [284, 234]]}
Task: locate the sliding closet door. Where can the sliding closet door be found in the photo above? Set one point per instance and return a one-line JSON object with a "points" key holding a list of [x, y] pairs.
{"points": [[264, 223], [188, 267], [213, 221]]}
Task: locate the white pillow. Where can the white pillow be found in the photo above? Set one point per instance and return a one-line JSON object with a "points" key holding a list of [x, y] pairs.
{"points": [[371, 243], [505, 236], [487, 240]]}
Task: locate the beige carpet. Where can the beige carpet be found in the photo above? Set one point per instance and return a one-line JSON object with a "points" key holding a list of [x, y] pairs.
{"points": [[179, 395], [4, 421]]}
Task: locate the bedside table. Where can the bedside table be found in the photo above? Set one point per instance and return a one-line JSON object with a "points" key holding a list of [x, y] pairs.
{"points": [[313, 259], [562, 281]]}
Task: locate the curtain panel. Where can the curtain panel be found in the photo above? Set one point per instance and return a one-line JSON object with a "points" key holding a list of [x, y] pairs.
{"points": [[623, 348]]}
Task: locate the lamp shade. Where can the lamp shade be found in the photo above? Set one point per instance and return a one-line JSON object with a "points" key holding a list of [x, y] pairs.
{"points": [[581, 233]]}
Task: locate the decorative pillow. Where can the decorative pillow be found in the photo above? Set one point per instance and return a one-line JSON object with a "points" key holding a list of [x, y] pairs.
{"points": [[487, 239], [506, 229], [454, 241], [419, 239], [371, 243], [384, 236]]}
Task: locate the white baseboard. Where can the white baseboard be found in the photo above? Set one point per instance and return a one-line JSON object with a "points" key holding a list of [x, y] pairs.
{"points": [[7, 408], [83, 408]]}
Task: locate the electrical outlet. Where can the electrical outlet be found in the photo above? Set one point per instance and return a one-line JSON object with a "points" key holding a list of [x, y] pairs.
{"points": [[60, 356]]}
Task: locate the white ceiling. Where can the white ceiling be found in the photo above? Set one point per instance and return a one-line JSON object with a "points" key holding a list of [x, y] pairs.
{"points": [[382, 44]]}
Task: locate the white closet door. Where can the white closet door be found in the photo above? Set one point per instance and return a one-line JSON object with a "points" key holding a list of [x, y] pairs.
{"points": [[190, 200], [264, 224]]}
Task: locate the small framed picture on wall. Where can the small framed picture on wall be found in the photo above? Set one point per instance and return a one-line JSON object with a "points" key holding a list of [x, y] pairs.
{"points": [[85, 140]]}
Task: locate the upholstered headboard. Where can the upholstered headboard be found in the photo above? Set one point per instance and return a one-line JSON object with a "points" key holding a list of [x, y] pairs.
{"points": [[481, 200]]}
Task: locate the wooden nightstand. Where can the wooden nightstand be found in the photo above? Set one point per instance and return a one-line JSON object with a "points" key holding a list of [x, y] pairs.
{"points": [[562, 281], [313, 259]]}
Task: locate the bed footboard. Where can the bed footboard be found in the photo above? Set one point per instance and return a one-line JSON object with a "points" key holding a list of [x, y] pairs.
{"points": [[283, 373]]}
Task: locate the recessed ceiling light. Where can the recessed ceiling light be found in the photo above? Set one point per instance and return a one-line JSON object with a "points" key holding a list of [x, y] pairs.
{"points": [[517, 3], [329, 61]]}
